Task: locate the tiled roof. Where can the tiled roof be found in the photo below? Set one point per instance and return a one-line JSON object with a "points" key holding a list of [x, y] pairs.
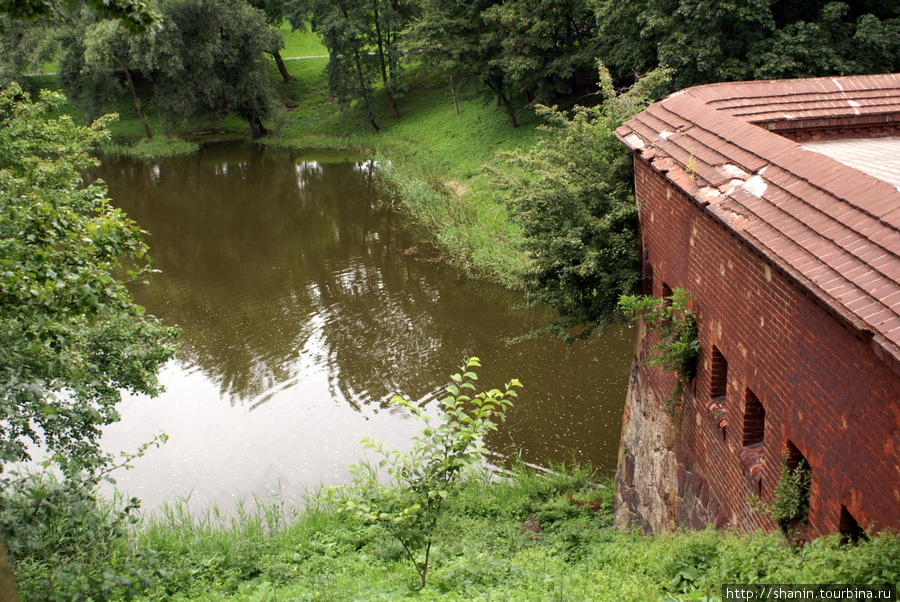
{"points": [[833, 228]]}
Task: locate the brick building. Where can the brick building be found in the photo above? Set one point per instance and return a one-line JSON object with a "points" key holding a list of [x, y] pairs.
{"points": [[792, 259]]}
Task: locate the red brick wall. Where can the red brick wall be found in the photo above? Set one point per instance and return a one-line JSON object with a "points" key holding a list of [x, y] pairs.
{"points": [[820, 383]]}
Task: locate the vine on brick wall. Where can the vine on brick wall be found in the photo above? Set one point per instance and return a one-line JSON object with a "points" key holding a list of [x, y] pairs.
{"points": [[678, 346]]}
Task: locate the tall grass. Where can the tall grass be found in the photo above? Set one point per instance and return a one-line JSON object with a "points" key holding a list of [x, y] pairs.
{"points": [[522, 535]]}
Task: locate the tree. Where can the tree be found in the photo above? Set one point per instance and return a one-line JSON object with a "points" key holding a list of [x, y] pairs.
{"points": [[208, 58], [92, 50], [425, 479], [71, 337], [133, 14], [274, 10], [544, 45], [389, 18], [453, 35], [706, 41], [572, 196], [24, 47], [832, 44], [362, 37]]}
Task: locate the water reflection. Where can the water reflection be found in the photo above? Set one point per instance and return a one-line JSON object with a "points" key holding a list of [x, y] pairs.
{"points": [[303, 311]]}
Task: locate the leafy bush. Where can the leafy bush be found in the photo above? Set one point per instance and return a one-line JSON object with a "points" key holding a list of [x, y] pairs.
{"points": [[424, 479], [678, 346], [790, 499], [572, 195], [65, 541]]}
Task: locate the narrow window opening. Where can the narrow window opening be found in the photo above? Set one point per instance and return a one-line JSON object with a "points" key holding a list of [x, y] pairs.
{"points": [[851, 531], [754, 420], [718, 374], [647, 283], [718, 390], [752, 453], [794, 458]]}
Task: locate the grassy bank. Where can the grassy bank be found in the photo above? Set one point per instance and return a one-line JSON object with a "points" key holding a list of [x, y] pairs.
{"points": [[433, 158], [526, 537]]}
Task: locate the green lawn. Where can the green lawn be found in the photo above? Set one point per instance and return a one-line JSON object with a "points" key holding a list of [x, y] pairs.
{"points": [[300, 43]]}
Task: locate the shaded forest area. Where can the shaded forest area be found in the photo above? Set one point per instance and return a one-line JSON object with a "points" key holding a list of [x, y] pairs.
{"points": [[202, 57]]}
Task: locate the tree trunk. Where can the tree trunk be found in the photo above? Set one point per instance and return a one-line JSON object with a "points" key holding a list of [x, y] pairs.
{"points": [[137, 101], [501, 98], [257, 129], [8, 591], [453, 92], [367, 106], [392, 104], [281, 67], [509, 110]]}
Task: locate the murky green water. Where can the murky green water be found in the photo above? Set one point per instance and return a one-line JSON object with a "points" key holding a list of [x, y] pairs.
{"points": [[305, 305]]}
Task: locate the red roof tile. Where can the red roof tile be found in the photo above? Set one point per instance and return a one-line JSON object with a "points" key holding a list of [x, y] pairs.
{"points": [[833, 228]]}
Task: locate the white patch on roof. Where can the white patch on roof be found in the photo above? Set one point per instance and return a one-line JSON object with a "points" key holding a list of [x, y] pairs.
{"points": [[634, 141], [732, 185], [709, 194], [733, 171], [756, 185], [665, 135]]}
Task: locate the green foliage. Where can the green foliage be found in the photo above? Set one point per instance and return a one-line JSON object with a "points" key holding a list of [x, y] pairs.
{"points": [[521, 536], [831, 44], [455, 38], [572, 196], [789, 507], [136, 15], [676, 326], [208, 58], [156, 148], [707, 41], [71, 338], [545, 45], [425, 479], [63, 537], [24, 47], [362, 37]]}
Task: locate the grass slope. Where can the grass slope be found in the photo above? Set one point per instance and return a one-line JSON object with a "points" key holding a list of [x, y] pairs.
{"points": [[525, 537]]}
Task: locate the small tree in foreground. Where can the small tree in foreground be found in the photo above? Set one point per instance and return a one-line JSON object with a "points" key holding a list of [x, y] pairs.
{"points": [[422, 480], [71, 336]]}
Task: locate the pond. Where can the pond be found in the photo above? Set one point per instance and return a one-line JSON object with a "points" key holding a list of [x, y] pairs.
{"points": [[306, 302]]}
